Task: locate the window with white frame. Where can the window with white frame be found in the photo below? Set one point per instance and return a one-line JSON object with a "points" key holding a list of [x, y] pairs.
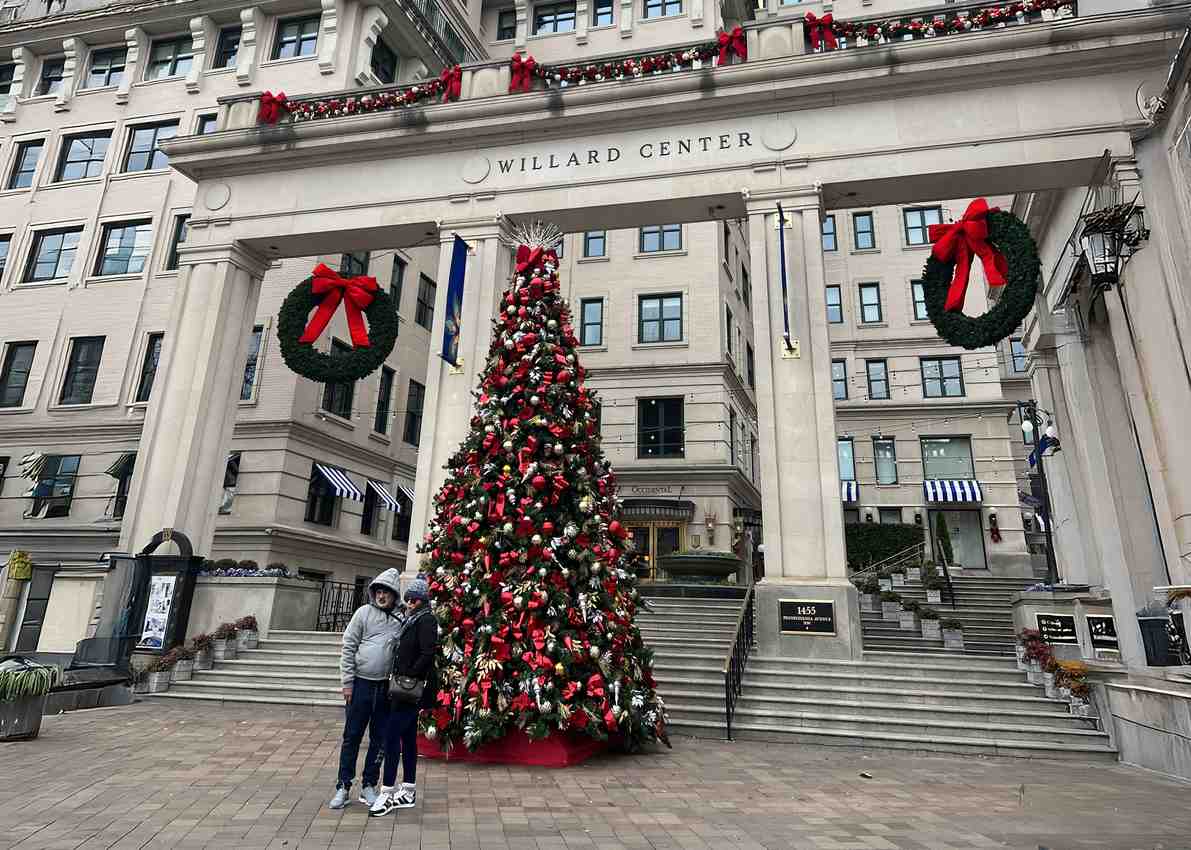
{"points": [[553, 17], [124, 248], [947, 458], [847, 458], [885, 459], [170, 57], [917, 222], [297, 37]]}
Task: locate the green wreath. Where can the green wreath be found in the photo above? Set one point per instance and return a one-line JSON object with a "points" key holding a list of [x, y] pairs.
{"points": [[307, 361], [1009, 235]]}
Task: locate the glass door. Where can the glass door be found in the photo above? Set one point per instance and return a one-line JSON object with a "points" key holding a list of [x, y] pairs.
{"points": [[652, 541]]}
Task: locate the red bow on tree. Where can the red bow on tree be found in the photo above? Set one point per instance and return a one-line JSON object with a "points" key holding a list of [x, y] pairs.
{"points": [[528, 258], [272, 107], [821, 31], [356, 295], [730, 43], [452, 83], [522, 79], [956, 243]]}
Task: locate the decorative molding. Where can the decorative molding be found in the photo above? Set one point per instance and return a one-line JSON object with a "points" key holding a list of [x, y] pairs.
{"points": [[138, 48], [521, 7], [251, 24], [373, 24], [74, 60], [204, 38], [696, 13], [8, 103], [626, 18], [582, 16], [328, 41]]}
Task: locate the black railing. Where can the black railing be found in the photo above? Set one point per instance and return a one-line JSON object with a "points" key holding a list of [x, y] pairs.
{"points": [[737, 658], [947, 581], [338, 602]]}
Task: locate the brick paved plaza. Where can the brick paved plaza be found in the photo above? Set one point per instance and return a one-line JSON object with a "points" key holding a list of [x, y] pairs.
{"points": [[159, 774]]}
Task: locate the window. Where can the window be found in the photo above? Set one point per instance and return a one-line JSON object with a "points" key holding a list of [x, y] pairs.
{"points": [[231, 481], [591, 327], [354, 265], [918, 293], [28, 153], [750, 366], [829, 240], [54, 490], [384, 397], [124, 247], [728, 324], [878, 379], [337, 398], [228, 48], [107, 68], [889, 516], [144, 387], [123, 483], [368, 515], [553, 17], [170, 58], [14, 377], [413, 413], [82, 156], [870, 303], [746, 288], [851, 515], [660, 430], [917, 223], [885, 460], [659, 318], [835, 305], [52, 255], [731, 435], [650, 542], [847, 459], [5, 244], [297, 37], [81, 370], [839, 379], [727, 245], [404, 516], [1018, 351], [560, 249], [947, 457], [384, 62], [661, 237], [864, 235], [6, 75], [206, 124], [397, 281], [143, 153], [601, 13], [942, 377], [252, 363], [595, 243], [661, 8], [424, 312], [50, 81], [320, 499], [506, 26], [181, 225]]}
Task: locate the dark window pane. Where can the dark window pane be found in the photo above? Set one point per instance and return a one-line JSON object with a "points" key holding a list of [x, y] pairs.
{"points": [[251, 363], [143, 153], [354, 265], [81, 370], [320, 499], [206, 124], [402, 525], [181, 225], [28, 153], [424, 314], [298, 37], [839, 379], [506, 25], [553, 17], [829, 242], [124, 248], [835, 308], [107, 68], [413, 413], [53, 254], [54, 490], [169, 58], [384, 397], [229, 47], [660, 318], [14, 377], [864, 234], [591, 330], [144, 387], [6, 74], [384, 63], [601, 13], [83, 156], [397, 281], [51, 76], [660, 427], [337, 398]]}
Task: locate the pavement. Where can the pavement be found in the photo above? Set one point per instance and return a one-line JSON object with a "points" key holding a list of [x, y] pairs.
{"points": [[163, 774]]}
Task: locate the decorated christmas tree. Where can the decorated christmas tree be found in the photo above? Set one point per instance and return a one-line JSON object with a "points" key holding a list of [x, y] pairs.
{"points": [[525, 554]]}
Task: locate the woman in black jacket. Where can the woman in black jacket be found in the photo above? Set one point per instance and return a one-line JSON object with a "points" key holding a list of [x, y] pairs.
{"points": [[416, 648]]}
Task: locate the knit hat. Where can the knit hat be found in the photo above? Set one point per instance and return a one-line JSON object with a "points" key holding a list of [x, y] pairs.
{"points": [[418, 589]]}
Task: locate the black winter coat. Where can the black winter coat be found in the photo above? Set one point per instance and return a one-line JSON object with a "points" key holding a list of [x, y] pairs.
{"points": [[415, 656]]}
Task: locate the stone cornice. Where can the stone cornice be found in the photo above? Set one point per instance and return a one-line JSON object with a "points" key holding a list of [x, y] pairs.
{"points": [[321, 443]]}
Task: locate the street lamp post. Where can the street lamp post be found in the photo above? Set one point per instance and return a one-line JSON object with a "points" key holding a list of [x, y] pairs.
{"points": [[1031, 424]]}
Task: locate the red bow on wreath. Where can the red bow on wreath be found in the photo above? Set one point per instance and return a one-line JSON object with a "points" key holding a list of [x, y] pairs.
{"points": [[732, 43], [821, 31], [522, 68], [272, 107], [956, 243], [354, 292], [452, 83]]}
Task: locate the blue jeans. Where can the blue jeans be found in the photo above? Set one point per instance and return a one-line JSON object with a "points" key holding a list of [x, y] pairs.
{"points": [[401, 743], [368, 709]]}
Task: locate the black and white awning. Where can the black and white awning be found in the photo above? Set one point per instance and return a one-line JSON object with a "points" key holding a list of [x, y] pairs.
{"points": [[407, 492], [952, 490], [123, 465], [849, 491], [385, 496], [32, 465], [343, 486]]}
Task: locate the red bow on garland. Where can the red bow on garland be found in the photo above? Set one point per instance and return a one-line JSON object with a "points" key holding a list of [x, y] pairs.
{"points": [[958, 242], [272, 107], [733, 43], [522, 79], [452, 83], [356, 295], [821, 31]]}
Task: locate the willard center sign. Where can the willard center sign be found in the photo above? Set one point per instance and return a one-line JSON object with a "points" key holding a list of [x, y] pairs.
{"points": [[613, 154]]}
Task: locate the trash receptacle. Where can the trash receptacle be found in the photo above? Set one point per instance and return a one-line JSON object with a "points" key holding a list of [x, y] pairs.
{"points": [[1156, 641]]}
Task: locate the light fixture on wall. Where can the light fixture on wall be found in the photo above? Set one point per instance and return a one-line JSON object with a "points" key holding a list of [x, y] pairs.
{"points": [[868, 516], [709, 521], [1109, 238], [917, 517]]}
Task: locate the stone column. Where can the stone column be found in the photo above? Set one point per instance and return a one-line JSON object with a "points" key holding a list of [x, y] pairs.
{"points": [[184, 443], [800, 491], [448, 407]]}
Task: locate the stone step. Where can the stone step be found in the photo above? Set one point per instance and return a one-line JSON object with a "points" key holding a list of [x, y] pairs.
{"points": [[935, 658], [909, 694], [991, 650], [978, 621], [796, 679], [271, 666], [305, 693], [242, 697], [315, 646], [335, 638], [327, 656], [674, 646], [907, 671], [677, 633], [892, 630], [908, 641]]}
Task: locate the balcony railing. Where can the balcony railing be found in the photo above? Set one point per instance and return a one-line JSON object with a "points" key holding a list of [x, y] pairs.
{"points": [[440, 30]]}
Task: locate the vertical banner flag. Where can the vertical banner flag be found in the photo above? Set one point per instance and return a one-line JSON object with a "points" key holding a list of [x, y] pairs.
{"points": [[781, 243], [451, 327]]}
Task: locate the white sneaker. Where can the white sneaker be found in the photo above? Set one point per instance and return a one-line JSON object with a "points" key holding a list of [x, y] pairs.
{"points": [[341, 797], [383, 804], [406, 797], [368, 795]]}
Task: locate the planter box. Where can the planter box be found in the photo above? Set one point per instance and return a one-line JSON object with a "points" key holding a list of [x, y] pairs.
{"points": [[908, 621], [1048, 685], [934, 597], [183, 671], [223, 650], [886, 583], [21, 719], [930, 630], [891, 611], [914, 573], [1156, 641], [899, 579], [1034, 674], [203, 660], [141, 687], [159, 682], [1065, 694], [869, 602], [246, 640], [1081, 708], [953, 639]]}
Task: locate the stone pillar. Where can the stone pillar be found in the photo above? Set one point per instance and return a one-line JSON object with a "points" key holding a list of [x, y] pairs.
{"points": [[800, 491], [448, 407], [184, 443]]}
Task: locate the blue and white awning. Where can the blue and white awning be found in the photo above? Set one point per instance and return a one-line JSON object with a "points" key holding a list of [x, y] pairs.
{"points": [[952, 490], [343, 486], [849, 491], [385, 496]]}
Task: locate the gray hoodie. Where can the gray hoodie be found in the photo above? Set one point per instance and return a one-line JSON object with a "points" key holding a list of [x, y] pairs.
{"points": [[371, 634]]}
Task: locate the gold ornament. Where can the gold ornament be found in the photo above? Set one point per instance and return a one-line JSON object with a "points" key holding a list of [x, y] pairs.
{"points": [[559, 669]]}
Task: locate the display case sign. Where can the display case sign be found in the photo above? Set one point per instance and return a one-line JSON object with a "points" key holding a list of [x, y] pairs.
{"points": [[1103, 629], [807, 616], [1057, 628], [161, 600]]}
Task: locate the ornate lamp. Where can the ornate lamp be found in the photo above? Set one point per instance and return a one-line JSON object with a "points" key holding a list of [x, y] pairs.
{"points": [[1110, 237]]}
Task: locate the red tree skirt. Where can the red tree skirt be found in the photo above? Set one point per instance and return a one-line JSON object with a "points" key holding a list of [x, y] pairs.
{"points": [[555, 750]]}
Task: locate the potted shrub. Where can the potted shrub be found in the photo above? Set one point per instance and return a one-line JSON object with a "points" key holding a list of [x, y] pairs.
{"points": [[908, 618], [1025, 638], [1050, 669], [248, 564], [201, 644], [1036, 654], [914, 572], [933, 583], [1069, 673], [159, 672], [930, 623], [24, 688], [886, 580], [899, 577], [953, 634], [139, 680], [1081, 694], [891, 606], [246, 633], [183, 664], [223, 642], [869, 588]]}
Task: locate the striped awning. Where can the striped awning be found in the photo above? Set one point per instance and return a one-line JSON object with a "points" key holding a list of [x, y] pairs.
{"points": [[406, 492], [343, 486], [123, 465], [32, 465], [385, 496], [952, 490], [849, 491]]}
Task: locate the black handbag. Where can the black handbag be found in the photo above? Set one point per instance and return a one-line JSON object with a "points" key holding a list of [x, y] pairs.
{"points": [[406, 690]]}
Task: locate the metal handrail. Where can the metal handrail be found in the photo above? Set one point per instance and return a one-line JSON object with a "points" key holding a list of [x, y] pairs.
{"points": [[947, 581], [737, 657], [336, 604], [914, 552]]}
